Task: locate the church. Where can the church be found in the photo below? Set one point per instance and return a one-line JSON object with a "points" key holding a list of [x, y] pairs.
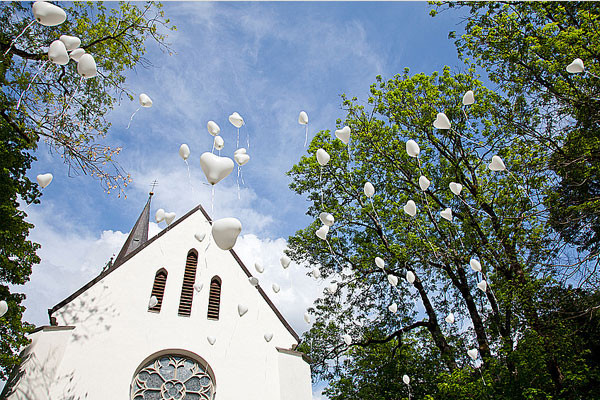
{"points": [[172, 318]]}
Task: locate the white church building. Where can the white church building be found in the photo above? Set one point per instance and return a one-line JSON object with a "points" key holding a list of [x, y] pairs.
{"points": [[107, 342]]}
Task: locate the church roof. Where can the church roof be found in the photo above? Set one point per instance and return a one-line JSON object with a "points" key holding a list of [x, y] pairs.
{"points": [[131, 253], [138, 235]]}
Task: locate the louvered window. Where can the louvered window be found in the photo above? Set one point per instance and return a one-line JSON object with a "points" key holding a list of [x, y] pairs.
{"points": [[187, 290], [214, 298], [158, 289]]}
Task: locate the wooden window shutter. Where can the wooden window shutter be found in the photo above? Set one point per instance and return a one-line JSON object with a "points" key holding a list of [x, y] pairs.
{"points": [[187, 290], [158, 289], [214, 298]]}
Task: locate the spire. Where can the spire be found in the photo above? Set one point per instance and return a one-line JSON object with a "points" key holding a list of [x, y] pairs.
{"points": [[138, 235]]}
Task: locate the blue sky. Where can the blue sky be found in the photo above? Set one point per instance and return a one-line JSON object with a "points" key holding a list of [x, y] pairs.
{"points": [[267, 61]]}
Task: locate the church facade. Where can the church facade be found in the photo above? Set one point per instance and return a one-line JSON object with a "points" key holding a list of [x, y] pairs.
{"points": [[172, 318]]}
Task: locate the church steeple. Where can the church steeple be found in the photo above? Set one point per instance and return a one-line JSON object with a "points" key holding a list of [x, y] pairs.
{"points": [[138, 235]]}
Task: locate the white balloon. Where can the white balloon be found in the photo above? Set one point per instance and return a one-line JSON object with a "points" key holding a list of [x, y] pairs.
{"points": [[303, 118], [219, 143], [160, 215], [285, 261], [456, 188], [482, 285], [213, 128], [410, 277], [76, 54], [410, 208], [145, 100], [576, 67], [71, 42], [200, 236], [323, 157], [268, 337], [276, 288], [322, 232], [236, 120], [169, 217], [332, 288], [198, 287], [44, 179], [380, 262], [242, 309], [497, 164], [447, 214], [393, 280], [441, 121], [347, 339], [393, 308], [3, 307], [412, 148], [48, 14], [253, 281], [475, 265], [473, 353], [369, 189], [326, 219], [449, 318], [225, 231], [468, 98], [241, 158], [211, 340], [184, 151], [306, 318], [406, 379], [153, 302], [424, 183], [259, 268], [343, 134], [57, 53], [241, 150], [215, 168], [86, 66], [316, 272]]}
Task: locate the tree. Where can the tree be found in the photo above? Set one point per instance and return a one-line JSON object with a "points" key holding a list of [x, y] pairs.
{"points": [[68, 113], [499, 218]]}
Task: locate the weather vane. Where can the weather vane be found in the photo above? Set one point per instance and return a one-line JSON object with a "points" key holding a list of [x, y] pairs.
{"points": [[153, 184]]}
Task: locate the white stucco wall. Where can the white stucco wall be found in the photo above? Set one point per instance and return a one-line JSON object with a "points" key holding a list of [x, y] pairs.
{"points": [[294, 376], [114, 333]]}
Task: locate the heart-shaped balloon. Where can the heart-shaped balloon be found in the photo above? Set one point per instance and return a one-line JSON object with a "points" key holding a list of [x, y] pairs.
{"points": [[198, 287], [241, 158], [475, 265], [169, 217], [215, 168], [71, 42], [160, 215], [424, 183], [145, 100], [393, 280], [199, 236], [276, 288], [225, 231], [242, 309], [44, 179], [322, 232], [447, 214], [259, 268], [576, 67], [268, 337], [441, 121], [241, 150], [236, 120], [473, 353], [343, 134], [482, 285], [456, 188], [303, 118], [211, 340], [369, 189], [285, 261], [57, 53], [332, 288], [306, 318], [184, 151], [326, 219], [213, 128], [468, 98], [76, 54], [153, 302], [316, 272], [253, 281], [219, 143], [393, 308], [406, 379], [380, 262], [449, 318], [410, 208], [497, 164], [347, 339], [3, 308], [86, 66], [48, 14], [412, 148], [323, 157], [410, 277]]}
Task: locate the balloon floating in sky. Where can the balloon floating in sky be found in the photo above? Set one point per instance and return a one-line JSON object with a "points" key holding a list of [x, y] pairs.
{"points": [[410, 208], [48, 14], [497, 164], [145, 100], [326, 219], [211, 340], [424, 183], [285, 261], [332, 288], [259, 268], [473, 353], [57, 53], [322, 232], [76, 54], [468, 98], [347, 339], [71, 42], [242, 309], [393, 280], [323, 157], [199, 236], [369, 189], [379, 262], [393, 308], [241, 157], [184, 151], [44, 179], [236, 120], [198, 287], [449, 318], [456, 188], [169, 217], [276, 288], [3, 308], [225, 231], [215, 168], [482, 285], [213, 128], [153, 302], [86, 66], [343, 134], [410, 277], [219, 143], [316, 272], [306, 318], [475, 265], [253, 281], [268, 337], [412, 148], [406, 379], [441, 121], [303, 118], [576, 67], [160, 215], [447, 214]]}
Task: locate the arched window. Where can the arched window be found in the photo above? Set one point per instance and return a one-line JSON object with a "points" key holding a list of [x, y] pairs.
{"points": [[214, 298], [187, 290], [158, 289]]}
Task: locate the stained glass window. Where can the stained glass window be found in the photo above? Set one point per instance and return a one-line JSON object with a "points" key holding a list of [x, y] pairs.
{"points": [[172, 377]]}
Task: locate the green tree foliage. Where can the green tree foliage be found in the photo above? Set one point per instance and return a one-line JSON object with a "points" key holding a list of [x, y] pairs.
{"points": [[519, 325], [67, 113]]}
